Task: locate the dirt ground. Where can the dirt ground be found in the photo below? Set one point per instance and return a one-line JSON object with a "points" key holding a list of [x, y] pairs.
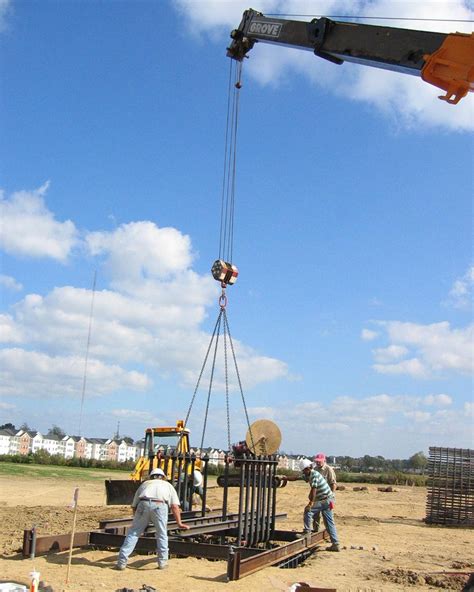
{"points": [[386, 544]]}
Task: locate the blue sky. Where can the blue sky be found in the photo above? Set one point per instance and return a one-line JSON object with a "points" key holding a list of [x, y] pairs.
{"points": [[352, 314]]}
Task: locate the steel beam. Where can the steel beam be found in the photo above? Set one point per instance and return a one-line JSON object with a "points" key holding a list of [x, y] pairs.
{"points": [[238, 567], [54, 542], [189, 549]]}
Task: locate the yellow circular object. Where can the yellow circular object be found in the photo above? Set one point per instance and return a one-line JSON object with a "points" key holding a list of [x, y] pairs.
{"points": [[263, 437]]}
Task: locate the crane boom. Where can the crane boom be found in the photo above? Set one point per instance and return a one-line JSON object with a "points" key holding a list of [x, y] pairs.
{"points": [[444, 60]]}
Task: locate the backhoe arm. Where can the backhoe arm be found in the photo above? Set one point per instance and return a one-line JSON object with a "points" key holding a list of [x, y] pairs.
{"points": [[444, 60]]}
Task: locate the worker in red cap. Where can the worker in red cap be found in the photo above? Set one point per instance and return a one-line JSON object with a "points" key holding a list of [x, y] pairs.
{"points": [[326, 471]]}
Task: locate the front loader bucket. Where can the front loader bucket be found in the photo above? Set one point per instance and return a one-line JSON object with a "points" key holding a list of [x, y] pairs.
{"points": [[120, 492]]}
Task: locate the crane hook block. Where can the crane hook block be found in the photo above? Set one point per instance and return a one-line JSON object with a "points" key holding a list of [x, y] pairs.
{"points": [[224, 272]]}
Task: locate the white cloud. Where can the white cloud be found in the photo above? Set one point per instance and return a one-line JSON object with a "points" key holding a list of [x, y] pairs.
{"points": [[418, 416], [6, 406], [405, 99], [432, 350], [438, 400], [461, 294], [128, 330], [141, 250], [412, 367], [469, 409], [141, 418], [5, 8], [59, 376], [384, 355], [10, 332], [368, 335], [151, 318], [10, 283], [391, 425], [29, 229]]}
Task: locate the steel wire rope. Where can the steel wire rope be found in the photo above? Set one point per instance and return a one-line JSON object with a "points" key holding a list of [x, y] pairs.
{"points": [[226, 233], [379, 18], [211, 380], [226, 324], [224, 175], [226, 374], [86, 360], [202, 369], [237, 85], [228, 159]]}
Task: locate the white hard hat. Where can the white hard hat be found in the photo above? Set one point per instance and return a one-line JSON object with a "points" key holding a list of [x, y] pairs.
{"points": [[305, 464], [157, 472]]}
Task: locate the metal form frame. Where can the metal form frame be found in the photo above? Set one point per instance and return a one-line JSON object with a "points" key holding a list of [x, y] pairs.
{"points": [[450, 498], [247, 539]]}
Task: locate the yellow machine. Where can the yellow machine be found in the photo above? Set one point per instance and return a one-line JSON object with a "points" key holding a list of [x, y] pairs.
{"points": [[165, 448], [160, 443]]}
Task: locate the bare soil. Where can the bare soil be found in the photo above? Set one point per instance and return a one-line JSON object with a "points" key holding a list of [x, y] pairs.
{"points": [[386, 544]]}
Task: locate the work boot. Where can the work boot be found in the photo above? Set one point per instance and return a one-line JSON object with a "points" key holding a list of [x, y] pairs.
{"points": [[120, 566], [334, 547]]}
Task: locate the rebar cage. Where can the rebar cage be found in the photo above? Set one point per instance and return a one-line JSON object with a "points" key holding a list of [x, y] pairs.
{"points": [[450, 498]]}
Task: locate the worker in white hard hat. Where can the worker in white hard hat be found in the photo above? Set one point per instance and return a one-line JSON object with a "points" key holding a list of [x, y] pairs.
{"points": [[320, 501], [151, 503], [329, 474]]}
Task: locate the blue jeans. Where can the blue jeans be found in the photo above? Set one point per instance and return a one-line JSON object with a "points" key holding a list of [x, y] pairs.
{"points": [[317, 509], [147, 512]]}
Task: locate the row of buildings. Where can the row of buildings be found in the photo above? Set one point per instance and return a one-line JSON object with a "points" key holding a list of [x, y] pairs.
{"points": [[24, 442]]}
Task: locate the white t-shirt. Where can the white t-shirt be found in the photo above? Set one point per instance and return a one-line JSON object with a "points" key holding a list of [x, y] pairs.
{"points": [[156, 489]]}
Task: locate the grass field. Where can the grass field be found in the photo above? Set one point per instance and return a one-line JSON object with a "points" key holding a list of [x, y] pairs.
{"points": [[66, 473], [76, 474]]}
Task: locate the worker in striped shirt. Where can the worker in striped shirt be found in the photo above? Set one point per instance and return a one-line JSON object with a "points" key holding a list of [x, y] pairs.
{"points": [[320, 501]]}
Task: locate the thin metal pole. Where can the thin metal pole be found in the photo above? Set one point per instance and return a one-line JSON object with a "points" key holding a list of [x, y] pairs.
{"points": [[241, 492], [273, 507], [226, 488], [71, 541], [247, 495], [205, 460], [252, 504]]}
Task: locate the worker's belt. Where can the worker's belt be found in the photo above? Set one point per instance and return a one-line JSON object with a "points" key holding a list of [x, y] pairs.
{"points": [[150, 499], [324, 499]]}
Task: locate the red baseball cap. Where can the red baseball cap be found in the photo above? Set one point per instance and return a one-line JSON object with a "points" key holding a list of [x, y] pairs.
{"points": [[320, 457]]}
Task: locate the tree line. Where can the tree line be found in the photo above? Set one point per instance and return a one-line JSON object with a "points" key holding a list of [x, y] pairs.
{"points": [[364, 464], [378, 464]]}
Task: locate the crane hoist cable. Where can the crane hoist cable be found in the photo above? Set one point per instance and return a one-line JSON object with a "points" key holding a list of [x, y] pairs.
{"points": [[223, 270]]}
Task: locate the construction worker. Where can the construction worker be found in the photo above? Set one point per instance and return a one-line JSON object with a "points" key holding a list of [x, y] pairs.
{"points": [[320, 501], [151, 503], [329, 474], [198, 483], [326, 471]]}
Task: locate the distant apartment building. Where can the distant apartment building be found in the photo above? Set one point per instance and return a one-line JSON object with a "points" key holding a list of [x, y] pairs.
{"points": [[67, 447], [80, 447], [51, 443], [6, 437], [98, 448], [106, 449]]}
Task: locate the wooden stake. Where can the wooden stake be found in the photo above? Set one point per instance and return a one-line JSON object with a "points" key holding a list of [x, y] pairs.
{"points": [[71, 542]]}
